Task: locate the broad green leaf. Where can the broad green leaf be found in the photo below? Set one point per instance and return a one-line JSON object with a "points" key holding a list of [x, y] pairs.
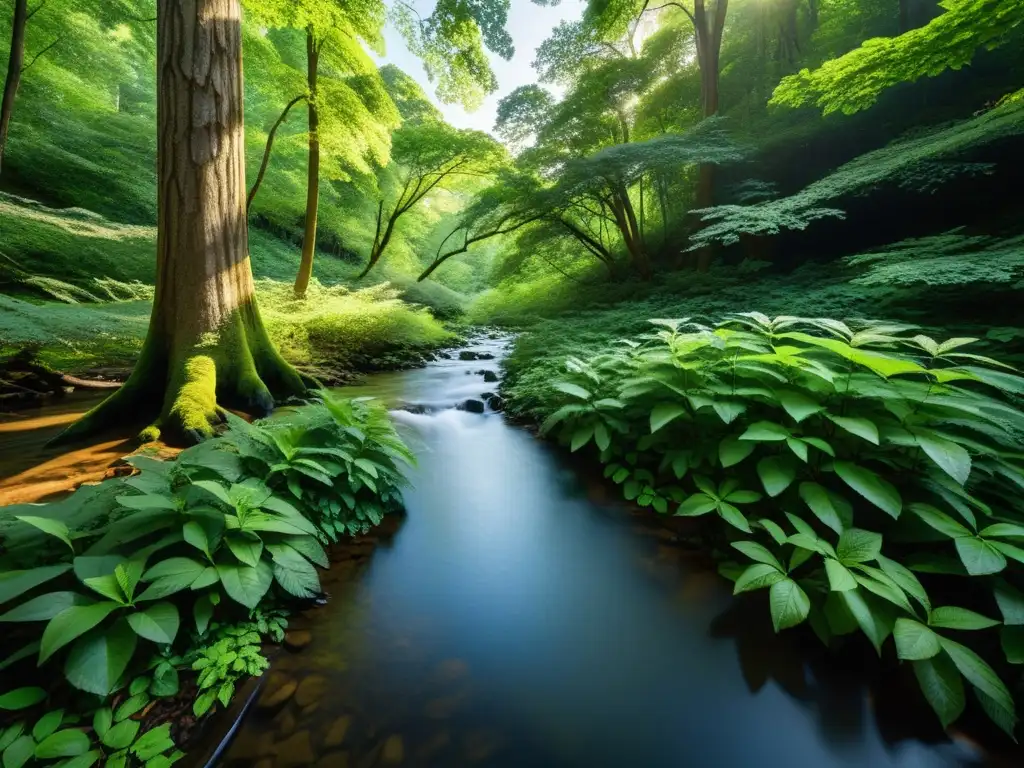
{"points": [[777, 473], [879, 492], [99, 659], [20, 752], [757, 552], [309, 548], [158, 623], [560, 415], [938, 520], [1003, 531], [979, 556], [121, 735], [733, 516], [293, 572], [732, 451], [153, 742], [581, 436], [55, 528], [979, 673], [246, 546], [821, 445], [108, 587], [72, 623], [47, 724], [798, 405], [573, 390], [245, 584], [799, 448], [839, 577], [1011, 603], [858, 546], [789, 604], [195, 534], [757, 576], [905, 579], [147, 501], [601, 436], [1004, 718], [16, 583], [914, 641], [728, 411], [951, 458], [951, 617], [203, 612], [874, 618], [765, 431], [66, 743], [664, 413], [102, 720], [1012, 640], [21, 698], [818, 500], [9, 734], [45, 607], [942, 687], [774, 530], [876, 582], [862, 428], [698, 504], [1009, 550], [215, 489]]}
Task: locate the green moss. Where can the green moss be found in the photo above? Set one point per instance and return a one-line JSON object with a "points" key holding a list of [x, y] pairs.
{"points": [[194, 407]]}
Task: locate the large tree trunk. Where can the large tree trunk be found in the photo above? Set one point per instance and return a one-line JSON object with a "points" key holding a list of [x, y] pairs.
{"points": [[206, 344], [14, 64], [313, 170]]}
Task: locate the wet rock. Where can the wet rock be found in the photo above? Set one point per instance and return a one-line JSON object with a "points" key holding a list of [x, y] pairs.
{"points": [[467, 354], [337, 732], [495, 403], [311, 690], [472, 406], [394, 750], [251, 746], [266, 762], [489, 376], [295, 751], [333, 760], [285, 723], [296, 640], [433, 745], [280, 688]]}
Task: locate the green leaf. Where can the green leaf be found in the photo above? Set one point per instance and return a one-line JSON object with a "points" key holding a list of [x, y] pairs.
{"points": [[146, 502], [559, 416], [947, 455], [216, 489], [158, 623], [914, 641], [951, 617], [9, 734], [293, 572], [839, 577], [858, 546], [765, 431], [572, 389], [97, 660], [1012, 639], [821, 445], [121, 735], [664, 413], [728, 411], [938, 520], [789, 604], [581, 436], [20, 752], [862, 428], [246, 546], [798, 405], [203, 612], [54, 528], [818, 500], [799, 448], [758, 553], [979, 556], [942, 687], [1003, 531], [132, 705], [16, 583], [777, 473], [153, 742], [601, 436], [869, 485], [108, 587], [245, 584], [45, 607], [874, 618], [47, 724], [87, 760], [757, 576], [22, 698], [979, 673], [698, 504], [66, 743], [71, 623], [1011, 603], [905, 579], [774, 530], [733, 516], [102, 720], [195, 534], [732, 451]]}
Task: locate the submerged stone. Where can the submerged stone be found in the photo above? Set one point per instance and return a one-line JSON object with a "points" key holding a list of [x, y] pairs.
{"points": [[280, 688]]}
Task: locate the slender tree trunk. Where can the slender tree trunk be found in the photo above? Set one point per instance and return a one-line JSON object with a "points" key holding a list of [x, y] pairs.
{"points": [[313, 171], [380, 242], [206, 345], [15, 62], [267, 150]]}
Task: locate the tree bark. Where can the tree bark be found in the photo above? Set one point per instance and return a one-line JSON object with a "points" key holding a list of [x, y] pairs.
{"points": [[206, 344], [15, 62], [313, 170]]}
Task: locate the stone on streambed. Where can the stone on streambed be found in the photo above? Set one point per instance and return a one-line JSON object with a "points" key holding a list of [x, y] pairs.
{"points": [[489, 376], [311, 690], [280, 688], [472, 406], [394, 750], [295, 751], [337, 732], [296, 640], [468, 354], [333, 760]]}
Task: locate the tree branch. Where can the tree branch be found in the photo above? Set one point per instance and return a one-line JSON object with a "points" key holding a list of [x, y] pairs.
{"points": [[35, 10], [36, 57], [269, 147]]}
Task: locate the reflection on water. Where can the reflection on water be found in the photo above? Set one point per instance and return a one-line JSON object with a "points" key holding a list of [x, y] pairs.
{"points": [[511, 621]]}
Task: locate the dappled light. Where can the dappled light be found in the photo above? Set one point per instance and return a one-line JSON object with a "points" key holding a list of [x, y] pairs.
{"points": [[531, 384]]}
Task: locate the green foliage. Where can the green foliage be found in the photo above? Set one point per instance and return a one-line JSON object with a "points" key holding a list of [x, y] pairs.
{"points": [[822, 445], [854, 81], [229, 654]]}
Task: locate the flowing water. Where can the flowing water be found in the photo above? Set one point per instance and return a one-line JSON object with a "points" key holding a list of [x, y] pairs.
{"points": [[513, 621]]}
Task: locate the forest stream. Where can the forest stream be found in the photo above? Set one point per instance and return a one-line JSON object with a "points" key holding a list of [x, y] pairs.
{"points": [[513, 621]]}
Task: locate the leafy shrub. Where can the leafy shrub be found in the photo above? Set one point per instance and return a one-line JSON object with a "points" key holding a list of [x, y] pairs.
{"points": [[813, 446], [180, 565]]}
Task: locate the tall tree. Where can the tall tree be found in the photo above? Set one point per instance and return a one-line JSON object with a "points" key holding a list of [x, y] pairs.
{"points": [[206, 345], [15, 63]]}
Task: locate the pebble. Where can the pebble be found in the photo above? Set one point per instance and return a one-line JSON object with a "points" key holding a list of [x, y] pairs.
{"points": [[338, 730], [333, 760], [295, 751], [298, 639], [310, 690], [394, 750], [280, 688]]}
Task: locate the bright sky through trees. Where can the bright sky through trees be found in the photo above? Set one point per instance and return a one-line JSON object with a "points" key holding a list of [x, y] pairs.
{"points": [[528, 24]]}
